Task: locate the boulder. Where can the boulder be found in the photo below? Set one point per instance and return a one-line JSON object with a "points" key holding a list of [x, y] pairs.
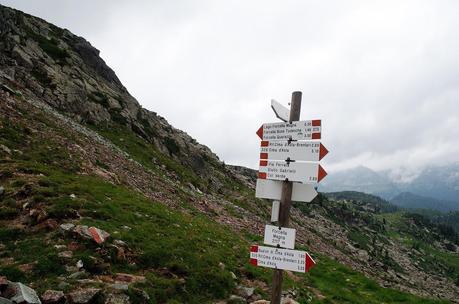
{"points": [[67, 227], [245, 292], [5, 301], [84, 296], [53, 297], [25, 294], [234, 299], [117, 298], [129, 278]]}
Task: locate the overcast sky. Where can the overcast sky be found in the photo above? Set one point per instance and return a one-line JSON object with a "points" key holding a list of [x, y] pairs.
{"points": [[382, 75]]}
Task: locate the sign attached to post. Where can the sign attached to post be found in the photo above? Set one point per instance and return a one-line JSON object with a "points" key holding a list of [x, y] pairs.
{"points": [[272, 189], [297, 130], [297, 150], [307, 173], [293, 260], [280, 236], [281, 112]]}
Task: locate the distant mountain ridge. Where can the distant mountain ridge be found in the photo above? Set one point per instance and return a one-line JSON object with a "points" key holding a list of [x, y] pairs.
{"points": [[434, 188]]}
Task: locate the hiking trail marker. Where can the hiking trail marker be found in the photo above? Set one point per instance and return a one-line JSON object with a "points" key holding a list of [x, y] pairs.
{"points": [[306, 173], [271, 189], [289, 169], [296, 150], [278, 258], [297, 130], [279, 236]]}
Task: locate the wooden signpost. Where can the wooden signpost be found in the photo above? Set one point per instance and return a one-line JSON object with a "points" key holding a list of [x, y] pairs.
{"points": [[289, 169]]}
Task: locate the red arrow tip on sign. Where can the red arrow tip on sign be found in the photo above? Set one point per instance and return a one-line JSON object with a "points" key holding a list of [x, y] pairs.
{"points": [[321, 174], [309, 262], [322, 152], [260, 132]]}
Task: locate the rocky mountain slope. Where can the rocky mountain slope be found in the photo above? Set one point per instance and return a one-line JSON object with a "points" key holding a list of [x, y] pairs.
{"points": [[104, 201]]}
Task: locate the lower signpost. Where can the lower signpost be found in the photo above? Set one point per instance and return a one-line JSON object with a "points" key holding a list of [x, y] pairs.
{"points": [[279, 258]]}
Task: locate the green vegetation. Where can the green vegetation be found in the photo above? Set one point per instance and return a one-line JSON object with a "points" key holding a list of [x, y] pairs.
{"points": [[339, 284]]}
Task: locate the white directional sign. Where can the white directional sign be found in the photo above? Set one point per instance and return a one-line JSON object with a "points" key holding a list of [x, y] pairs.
{"points": [[297, 130], [272, 189], [306, 173], [281, 112], [293, 260], [296, 150], [284, 237]]}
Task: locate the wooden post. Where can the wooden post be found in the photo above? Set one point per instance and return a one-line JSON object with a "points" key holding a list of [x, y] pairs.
{"points": [[285, 203]]}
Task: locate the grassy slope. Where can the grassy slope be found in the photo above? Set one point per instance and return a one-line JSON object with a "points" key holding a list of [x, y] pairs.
{"points": [[190, 246]]}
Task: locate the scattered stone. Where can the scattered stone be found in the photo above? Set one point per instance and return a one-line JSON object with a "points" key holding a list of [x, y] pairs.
{"points": [[236, 299], [120, 243], [221, 265], [77, 275], [82, 231], [72, 196], [129, 278], [260, 302], [65, 254], [73, 246], [245, 292], [5, 149], [126, 227], [79, 264], [26, 268], [60, 247], [2, 190], [5, 301], [63, 285], [3, 282], [53, 297], [25, 294], [67, 227], [83, 296], [71, 269], [120, 286], [98, 235], [288, 301], [117, 299]]}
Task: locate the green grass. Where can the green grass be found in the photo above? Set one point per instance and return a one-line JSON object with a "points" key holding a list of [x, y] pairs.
{"points": [[339, 284]]}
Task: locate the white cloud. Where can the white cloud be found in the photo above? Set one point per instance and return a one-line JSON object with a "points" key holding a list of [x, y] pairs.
{"points": [[383, 75]]}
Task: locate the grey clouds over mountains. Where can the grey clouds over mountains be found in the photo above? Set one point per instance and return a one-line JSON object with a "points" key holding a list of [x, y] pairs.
{"points": [[382, 75]]}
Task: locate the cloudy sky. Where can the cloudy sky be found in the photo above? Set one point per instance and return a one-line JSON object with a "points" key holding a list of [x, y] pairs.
{"points": [[382, 75]]}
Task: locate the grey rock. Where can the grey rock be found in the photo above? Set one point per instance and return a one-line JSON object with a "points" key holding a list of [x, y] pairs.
{"points": [[22, 57], [78, 275], [25, 294], [245, 292], [67, 227], [65, 254], [53, 297], [83, 296], [5, 149], [63, 285], [233, 275], [5, 301], [120, 286], [117, 299], [234, 299], [2, 190]]}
